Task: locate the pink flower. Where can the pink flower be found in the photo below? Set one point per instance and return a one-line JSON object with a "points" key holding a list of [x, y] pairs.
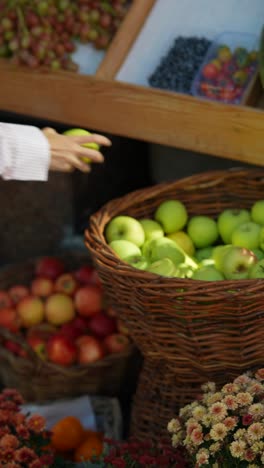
{"points": [[36, 423], [13, 394], [6, 454], [22, 431], [36, 464], [18, 418], [25, 455], [9, 441], [247, 419]]}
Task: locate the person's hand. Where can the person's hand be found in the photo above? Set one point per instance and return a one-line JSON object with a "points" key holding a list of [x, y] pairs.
{"points": [[67, 152]]}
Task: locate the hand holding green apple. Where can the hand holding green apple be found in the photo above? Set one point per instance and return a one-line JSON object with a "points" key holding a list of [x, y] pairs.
{"points": [[90, 141]]}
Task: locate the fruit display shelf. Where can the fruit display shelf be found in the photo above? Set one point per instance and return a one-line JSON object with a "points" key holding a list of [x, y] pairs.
{"points": [[155, 115]]}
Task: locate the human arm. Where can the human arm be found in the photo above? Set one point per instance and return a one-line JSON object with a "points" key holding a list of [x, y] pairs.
{"points": [[28, 153]]}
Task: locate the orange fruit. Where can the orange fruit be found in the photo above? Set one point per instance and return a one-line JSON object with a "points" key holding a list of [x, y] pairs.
{"points": [[67, 434], [92, 446], [89, 432]]}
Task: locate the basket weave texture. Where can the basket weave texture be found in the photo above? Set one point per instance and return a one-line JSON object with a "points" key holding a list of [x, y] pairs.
{"points": [[39, 380], [192, 330]]}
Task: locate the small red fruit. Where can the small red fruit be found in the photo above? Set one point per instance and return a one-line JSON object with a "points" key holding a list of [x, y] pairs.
{"points": [[85, 274], [101, 325], [116, 343], [9, 319], [38, 345], [15, 348], [210, 71], [66, 284], [89, 349], [18, 292], [88, 300], [61, 350], [5, 300], [42, 287], [50, 267]]}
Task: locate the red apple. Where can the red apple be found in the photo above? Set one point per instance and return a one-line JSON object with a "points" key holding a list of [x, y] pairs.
{"points": [[66, 284], [42, 287], [85, 274], [30, 311], [49, 267], [59, 309], [88, 300], [116, 343], [5, 300], [61, 350], [38, 345], [122, 328], [9, 319], [18, 292], [89, 349], [101, 325], [75, 328], [96, 280]]}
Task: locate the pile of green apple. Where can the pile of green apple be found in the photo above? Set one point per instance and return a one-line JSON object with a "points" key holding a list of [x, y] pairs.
{"points": [[174, 244]]}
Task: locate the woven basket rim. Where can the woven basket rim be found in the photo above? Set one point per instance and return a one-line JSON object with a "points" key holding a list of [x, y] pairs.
{"points": [[98, 247]]}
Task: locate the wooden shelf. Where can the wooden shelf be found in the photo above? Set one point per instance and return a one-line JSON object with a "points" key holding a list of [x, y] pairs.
{"points": [[103, 104]]}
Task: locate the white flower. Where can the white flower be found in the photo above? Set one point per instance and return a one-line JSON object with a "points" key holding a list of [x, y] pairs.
{"points": [[230, 388], [215, 447], [255, 431], [213, 398], [218, 431], [208, 387], [177, 438], [256, 410], [240, 434], [237, 448], [174, 425], [207, 420], [244, 398], [218, 411], [231, 402]]}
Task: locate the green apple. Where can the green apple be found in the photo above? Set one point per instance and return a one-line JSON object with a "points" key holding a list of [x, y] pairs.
{"points": [[141, 264], [259, 253], [157, 249], [206, 262], [152, 229], [126, 250], [184, 241], [202, 230], [257, 271], [257, 212], [246, 235], [218, 255], [172, 215], [237, 263], [184, 271], [208, 273], [163, 267], [126, 228], [205, 252], [229, 219], [81, 132]]}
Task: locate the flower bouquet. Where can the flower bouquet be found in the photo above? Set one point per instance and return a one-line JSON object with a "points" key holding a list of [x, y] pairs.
{"points": [[224, 428], [24, 442], [138, 454]]}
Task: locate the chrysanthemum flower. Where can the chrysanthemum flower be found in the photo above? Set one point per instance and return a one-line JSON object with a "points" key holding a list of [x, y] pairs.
{"points": [[255, 431], [218, 431], [202, 457], [244, 398], [237, 448], [218, 411], [36, 423]]}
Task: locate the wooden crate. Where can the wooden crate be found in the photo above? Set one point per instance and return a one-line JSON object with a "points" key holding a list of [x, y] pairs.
{"points": [[104, 104]]}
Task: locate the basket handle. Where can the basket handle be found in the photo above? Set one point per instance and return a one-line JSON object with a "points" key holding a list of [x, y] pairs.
{"points": [[8, 335]]}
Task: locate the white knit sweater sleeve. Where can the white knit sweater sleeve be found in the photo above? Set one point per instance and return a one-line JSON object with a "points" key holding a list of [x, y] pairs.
{"points": [[24, 153]]}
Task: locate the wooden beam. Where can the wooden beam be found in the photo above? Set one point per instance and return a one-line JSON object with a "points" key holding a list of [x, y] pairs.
{"points": [[233, 132]]}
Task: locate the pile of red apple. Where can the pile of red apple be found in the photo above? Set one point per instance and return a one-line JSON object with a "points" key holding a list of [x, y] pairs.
{"points": [[62, 316]]}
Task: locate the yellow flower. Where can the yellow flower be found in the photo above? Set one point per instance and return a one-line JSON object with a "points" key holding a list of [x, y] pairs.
{"points": [[177, 438], [199, 412], [174, 425], [237, 448], [215, 447], [256, 410], [218, 431]]}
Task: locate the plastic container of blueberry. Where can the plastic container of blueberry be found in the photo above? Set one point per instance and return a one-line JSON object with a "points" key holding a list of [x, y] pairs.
{"points": [[228, 68]]}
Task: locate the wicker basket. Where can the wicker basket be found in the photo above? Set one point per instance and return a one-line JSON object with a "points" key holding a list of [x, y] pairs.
{"points": [[39, 380], [193, 330]]}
